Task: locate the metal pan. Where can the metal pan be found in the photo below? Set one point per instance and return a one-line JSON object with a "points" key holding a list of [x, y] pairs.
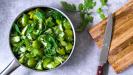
{"points": [[15, 64]]}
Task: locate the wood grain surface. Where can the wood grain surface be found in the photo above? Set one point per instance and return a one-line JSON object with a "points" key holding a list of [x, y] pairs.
{"points": [[121, 49]]}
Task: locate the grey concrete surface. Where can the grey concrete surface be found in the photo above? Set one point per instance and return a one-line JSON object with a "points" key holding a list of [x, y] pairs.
{"points": [[84, 60]]}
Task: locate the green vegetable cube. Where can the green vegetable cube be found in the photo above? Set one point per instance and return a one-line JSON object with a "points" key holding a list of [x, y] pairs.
{"points": [[16, 39], [69, 47], [31, 62], [25, 19], [39, 65], [61, 51], [36, 44], [46, 61]]}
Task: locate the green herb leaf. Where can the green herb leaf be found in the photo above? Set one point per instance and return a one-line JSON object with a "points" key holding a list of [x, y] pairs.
{"points": [[104, 2], [101, 13], [17, 28], [68, 7], [89, 4], [85, 20]]}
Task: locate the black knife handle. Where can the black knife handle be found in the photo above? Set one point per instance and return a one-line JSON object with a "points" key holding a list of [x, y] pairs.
{"points": [[100, 70]]}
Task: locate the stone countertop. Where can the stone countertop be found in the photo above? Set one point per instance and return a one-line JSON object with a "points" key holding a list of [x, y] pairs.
{"points": [[84, 60]]}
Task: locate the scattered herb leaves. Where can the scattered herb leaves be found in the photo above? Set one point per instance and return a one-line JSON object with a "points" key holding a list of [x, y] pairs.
{"points": [[84, 10]]}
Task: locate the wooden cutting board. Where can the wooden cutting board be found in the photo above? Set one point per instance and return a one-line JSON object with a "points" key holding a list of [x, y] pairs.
{"points": [[121, 50]]}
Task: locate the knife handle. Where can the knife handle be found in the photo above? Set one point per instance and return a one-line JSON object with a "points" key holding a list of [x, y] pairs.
{"points": [[100, 70]]}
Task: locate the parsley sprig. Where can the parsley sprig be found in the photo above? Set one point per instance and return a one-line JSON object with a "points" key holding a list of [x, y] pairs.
{"points": [[84, 10]]}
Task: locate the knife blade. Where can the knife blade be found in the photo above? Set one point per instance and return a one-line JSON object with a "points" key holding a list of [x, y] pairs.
{"points": [[106, 44]]}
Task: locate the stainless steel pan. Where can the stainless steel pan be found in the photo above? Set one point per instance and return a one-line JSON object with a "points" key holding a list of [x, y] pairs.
{"points": [[15, 64]]}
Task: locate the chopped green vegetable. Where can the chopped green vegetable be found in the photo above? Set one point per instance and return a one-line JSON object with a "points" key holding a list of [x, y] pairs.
{"points": [[61, 51], [41, 38], [22, 49], [39, 65], [17, 28], [68, 47], [16, 39], [31, 62], [36, 44], [46, 61], [22, 59], [24, 19], [24, 30]]}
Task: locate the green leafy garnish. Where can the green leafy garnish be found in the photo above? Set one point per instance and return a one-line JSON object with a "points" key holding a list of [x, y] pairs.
{"points": [[101, 13], [104, 2], [84, 10], [68, 7]]}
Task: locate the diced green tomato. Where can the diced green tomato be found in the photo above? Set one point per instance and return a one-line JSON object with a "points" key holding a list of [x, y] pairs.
{"points": [[22, 49], [39, 66], [66, 24], [36, 44], [46, 61], [24, 19], [16, 39], [61, 51], [22, 59], [31, 62], [68, 47], [24, 30]]}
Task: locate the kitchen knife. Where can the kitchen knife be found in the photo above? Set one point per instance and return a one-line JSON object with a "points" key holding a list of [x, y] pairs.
{"points": [[106, 45]]}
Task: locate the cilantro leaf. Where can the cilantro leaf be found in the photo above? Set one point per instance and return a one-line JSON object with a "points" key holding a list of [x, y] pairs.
{"points": [[68, 7], [104, 2], [99, 10], [85, 20], [89, 4]]}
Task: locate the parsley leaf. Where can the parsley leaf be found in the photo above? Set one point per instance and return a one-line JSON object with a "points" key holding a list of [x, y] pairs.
{"points": [[83, 9], [99, 10], [85, 20], [68, 7], [89, 4], [104, 2]]}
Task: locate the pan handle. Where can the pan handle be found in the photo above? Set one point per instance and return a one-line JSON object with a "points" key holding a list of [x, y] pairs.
{"points": [[10, 68]]}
